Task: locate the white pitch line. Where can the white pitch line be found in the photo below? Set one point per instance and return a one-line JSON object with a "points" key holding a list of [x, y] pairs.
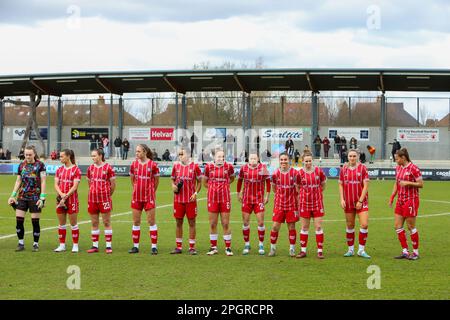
{"points": [[325, 220], [88, 221], [169, 205]]}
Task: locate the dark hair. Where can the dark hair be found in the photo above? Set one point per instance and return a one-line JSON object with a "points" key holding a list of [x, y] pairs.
{"points": [[101, 153], [69, 153], [403, 152], [36, 158], [147, 150], [283, 154]]}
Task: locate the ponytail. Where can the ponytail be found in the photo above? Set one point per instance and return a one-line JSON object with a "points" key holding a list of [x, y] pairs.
{"points": [[147, 151], [403, 152], [69, 153], [100, 152], [36, 158]]}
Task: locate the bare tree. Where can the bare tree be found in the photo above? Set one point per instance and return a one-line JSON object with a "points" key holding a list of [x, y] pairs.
{"points": [[424, 115], [35, 100]]}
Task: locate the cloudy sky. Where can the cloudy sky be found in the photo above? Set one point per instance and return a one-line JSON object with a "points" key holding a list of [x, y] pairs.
{"points": [[42, 36]]}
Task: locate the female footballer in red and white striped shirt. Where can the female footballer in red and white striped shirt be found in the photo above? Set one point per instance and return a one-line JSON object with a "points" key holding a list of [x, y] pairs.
{"points": [[102, 183], [284, 181], [408, 182], [311, 181], [186, 184], [144, 173], [67, 179], [353, 191], [255, 178], [217, 178]]}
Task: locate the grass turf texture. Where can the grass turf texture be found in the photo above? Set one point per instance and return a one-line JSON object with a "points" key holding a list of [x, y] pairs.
{"points": [[43, 275]]}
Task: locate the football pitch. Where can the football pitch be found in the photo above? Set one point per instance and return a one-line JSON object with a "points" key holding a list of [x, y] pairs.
{"points": [[44, 274]]}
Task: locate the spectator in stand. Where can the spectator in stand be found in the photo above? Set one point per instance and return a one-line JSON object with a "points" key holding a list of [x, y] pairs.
{"points": [[317, 146], [289, 146], [2, 154], [257, 141], [166, 155], [8, 154], [126, 147], [230, 139], [21, 155], [353, 143], [344, 143], [372, 153], [297, 156], [362, 157], [343, 154], [194, 141], [93, 143], [326, 146], [156, 157], [337, 144], [395, 146], [105, 145], [184, 140], [117, 147]]}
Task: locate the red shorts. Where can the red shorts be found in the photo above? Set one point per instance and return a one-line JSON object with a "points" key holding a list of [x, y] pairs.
{"points": [[99, 207], [71, 208], [282, 216], [253, 207], [408, 208], [181, 209], [352, 209], [141, 205], [217, 207], [311, 213]]}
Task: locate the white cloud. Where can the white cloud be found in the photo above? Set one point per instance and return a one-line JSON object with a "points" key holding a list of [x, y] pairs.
{"points": [[103, 45]]}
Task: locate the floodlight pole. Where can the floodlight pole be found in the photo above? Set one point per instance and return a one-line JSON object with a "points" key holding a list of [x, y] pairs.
{"points": [[249, 122], [183, 112], [383, 126], [59, 126], [315, 117], [48, 125], [120, 117], [176, 119], [111, 118], [244, 122], [1, 122]]}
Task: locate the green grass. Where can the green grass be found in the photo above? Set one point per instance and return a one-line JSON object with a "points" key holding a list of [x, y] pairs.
{"points": [[43, 275]]}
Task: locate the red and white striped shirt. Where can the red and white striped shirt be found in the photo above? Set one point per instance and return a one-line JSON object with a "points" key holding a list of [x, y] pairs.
{"points": [[310, 196], [409, 173], [352, 179], [218, 182], [189, 174], [99, 178], [66, 179], [144, 180], [285, 191], [254, 181]]}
